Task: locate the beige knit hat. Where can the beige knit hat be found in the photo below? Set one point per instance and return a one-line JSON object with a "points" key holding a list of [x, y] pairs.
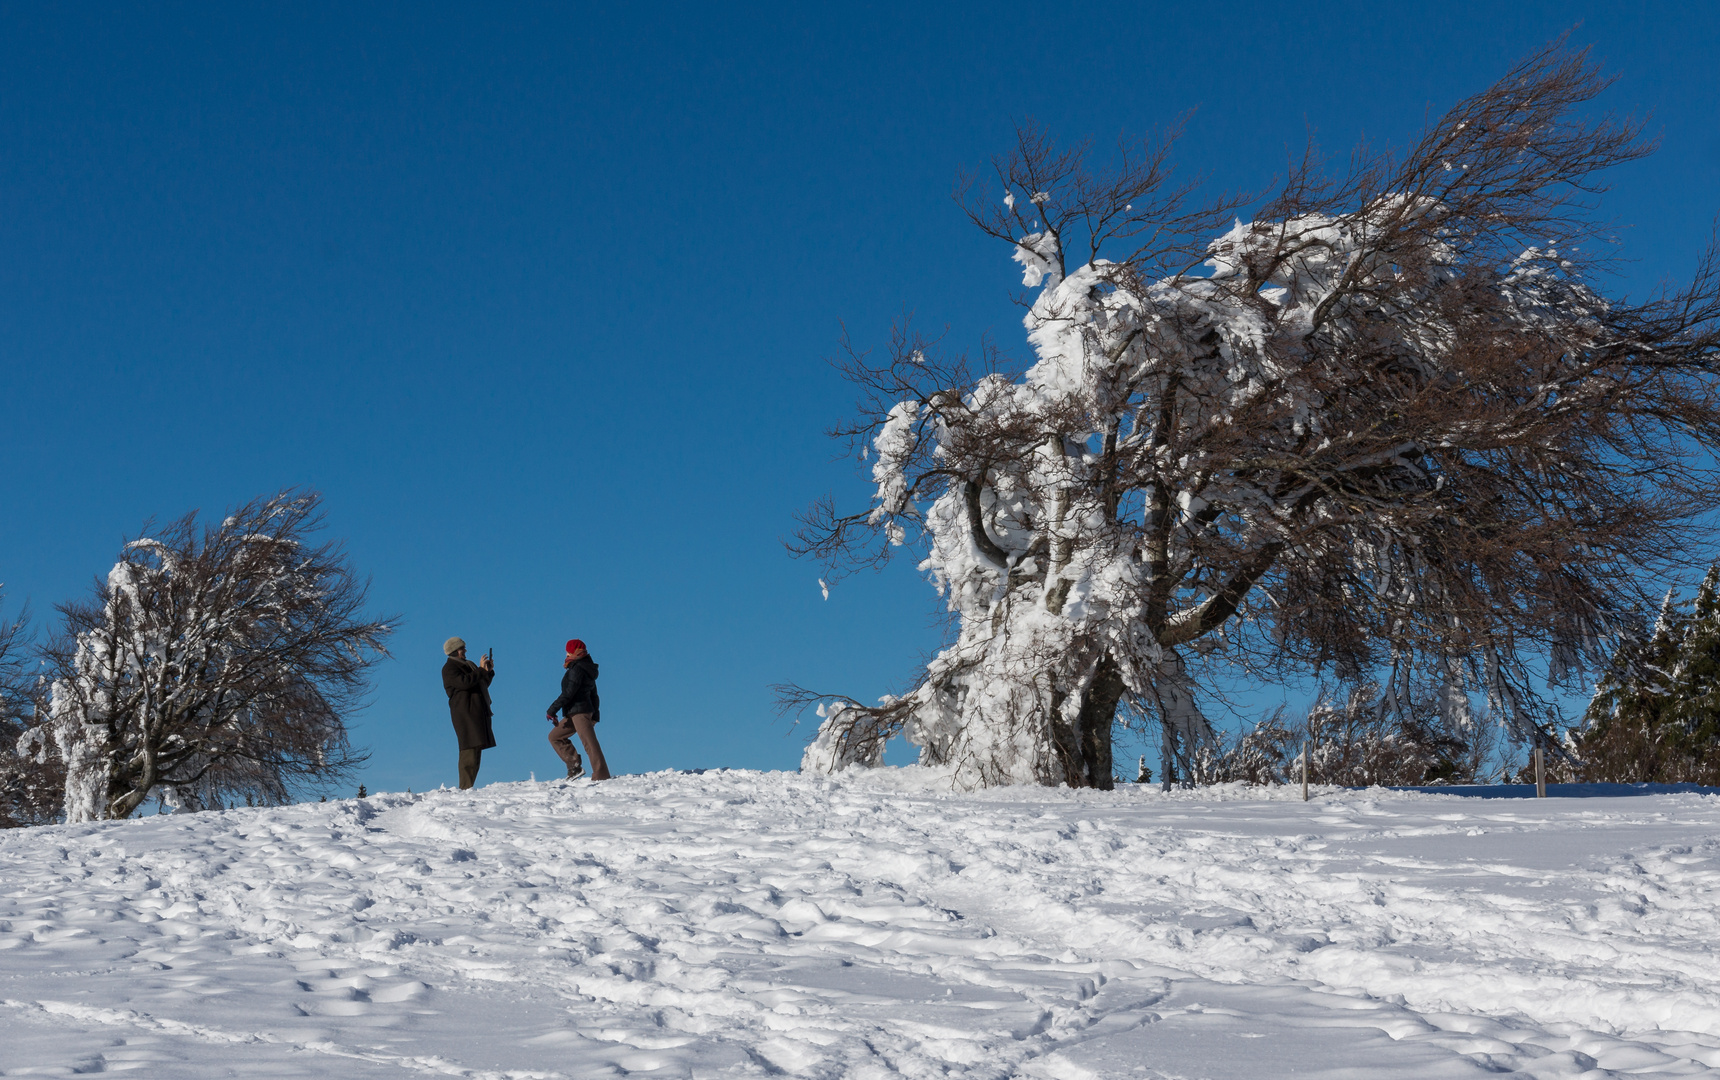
{"points": [[453, 645]]}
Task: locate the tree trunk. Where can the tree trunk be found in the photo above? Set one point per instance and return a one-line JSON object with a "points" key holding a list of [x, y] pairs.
{"points": [[1098, 714], [1083, 749], [128, 787]]}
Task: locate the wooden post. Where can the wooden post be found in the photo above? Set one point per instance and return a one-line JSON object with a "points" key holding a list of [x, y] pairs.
{"points": [[1304, 770], [1540, 774], [1166, 760]]}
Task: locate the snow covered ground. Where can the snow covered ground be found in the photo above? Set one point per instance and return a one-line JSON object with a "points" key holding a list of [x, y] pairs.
{"points": [[872, 925]]}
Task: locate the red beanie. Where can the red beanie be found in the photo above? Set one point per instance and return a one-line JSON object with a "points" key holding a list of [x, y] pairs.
{"points": [[575, 646]]}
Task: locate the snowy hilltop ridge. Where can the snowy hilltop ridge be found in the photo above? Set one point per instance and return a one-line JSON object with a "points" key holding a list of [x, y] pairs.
{"points": [[871, 924]]}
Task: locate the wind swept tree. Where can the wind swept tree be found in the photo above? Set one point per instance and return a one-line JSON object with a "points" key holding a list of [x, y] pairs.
{"points": [[1391, 428], [216, 662]]}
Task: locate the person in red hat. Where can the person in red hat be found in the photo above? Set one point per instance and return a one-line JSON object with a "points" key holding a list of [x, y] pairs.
{"points": [[579, 713]]}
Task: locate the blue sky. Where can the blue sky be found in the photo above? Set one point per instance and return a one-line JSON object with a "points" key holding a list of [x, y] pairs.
{"points": [[540, 296]]}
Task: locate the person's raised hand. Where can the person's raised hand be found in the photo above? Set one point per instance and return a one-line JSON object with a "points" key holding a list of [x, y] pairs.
{"points": [[487, 663]]}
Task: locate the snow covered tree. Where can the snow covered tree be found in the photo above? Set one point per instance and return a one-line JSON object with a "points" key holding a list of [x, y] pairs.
{"points": [[214, 663], [30, 783], [1363, 739], [1263, 755], [1389, 427], [1655, 716], [1355, 737]]}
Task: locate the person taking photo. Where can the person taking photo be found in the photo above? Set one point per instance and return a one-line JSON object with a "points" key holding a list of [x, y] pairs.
{"points": [[468, 687]]}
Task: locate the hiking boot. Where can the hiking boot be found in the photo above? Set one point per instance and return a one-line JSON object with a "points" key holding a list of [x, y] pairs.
{"points": [[576, 770]]}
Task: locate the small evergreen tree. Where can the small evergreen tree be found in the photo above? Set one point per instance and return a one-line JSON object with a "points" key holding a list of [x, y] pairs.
{"points": [[1694, 711], [1655, 716]]}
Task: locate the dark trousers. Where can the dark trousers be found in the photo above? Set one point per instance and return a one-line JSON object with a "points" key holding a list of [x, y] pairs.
{"points": [[469, 762], [561, 737]]}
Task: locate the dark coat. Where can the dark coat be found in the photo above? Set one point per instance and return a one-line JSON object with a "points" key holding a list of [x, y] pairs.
{"points": [[468, 687], [578, 690]]}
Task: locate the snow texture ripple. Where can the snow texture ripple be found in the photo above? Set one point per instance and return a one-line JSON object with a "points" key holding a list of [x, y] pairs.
{"points": [[869, 925]]}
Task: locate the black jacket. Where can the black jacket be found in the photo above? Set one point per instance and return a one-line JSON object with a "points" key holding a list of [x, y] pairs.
{"points": [[468, 687], [578, 690]]}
